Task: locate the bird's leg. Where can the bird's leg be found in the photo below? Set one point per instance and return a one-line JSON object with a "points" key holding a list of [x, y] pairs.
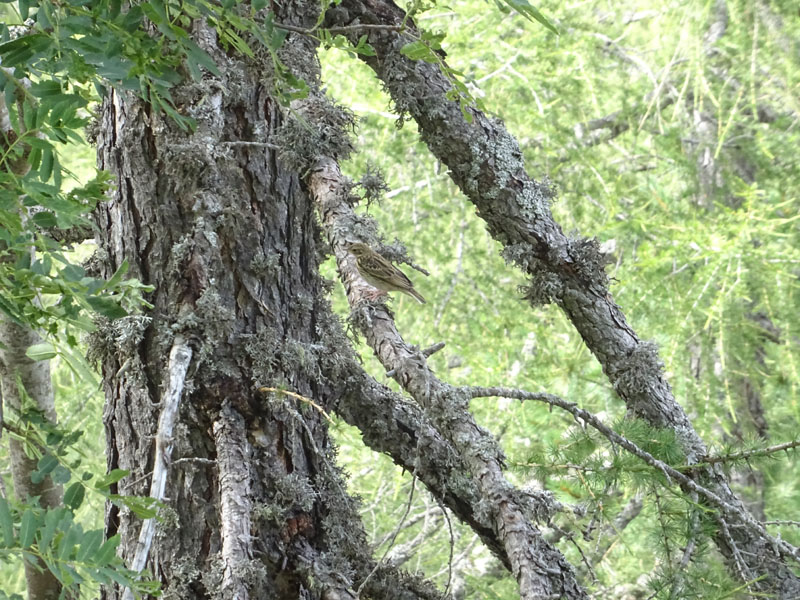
{"points": [[376, 295]]}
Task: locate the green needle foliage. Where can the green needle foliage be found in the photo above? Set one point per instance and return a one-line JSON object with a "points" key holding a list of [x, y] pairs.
{"points": [[675, 150]]}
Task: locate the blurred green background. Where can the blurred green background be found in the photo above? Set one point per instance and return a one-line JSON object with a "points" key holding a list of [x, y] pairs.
{"points": [[694, 198]]}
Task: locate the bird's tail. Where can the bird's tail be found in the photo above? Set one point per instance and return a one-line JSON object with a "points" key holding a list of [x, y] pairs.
{"points": [[415, 294]]}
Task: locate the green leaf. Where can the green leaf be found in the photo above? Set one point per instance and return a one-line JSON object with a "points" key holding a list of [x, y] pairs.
{"points": [[10, 310], [142, 506], [44, 89], [43, 265], [113, 477], [90, 544], [56, 172], [46, 464], [27, 528], [106, 306], [6, 523], [22, 49], [117, 276], [108, 551], [195, 55], [531, 13], [74, 495], [64, 109], [35, 157], [61, 475], [419, 51], [45, 219], [77, 363], [363, 48], [72, 273], [68, 542], [43, 351], [52, 520]]}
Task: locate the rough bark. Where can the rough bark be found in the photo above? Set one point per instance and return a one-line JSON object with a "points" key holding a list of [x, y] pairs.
{"points": [[486, 163], [391, 424], [226, 235]]}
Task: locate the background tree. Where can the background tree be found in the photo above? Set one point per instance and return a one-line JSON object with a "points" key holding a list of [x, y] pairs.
{"points": [[218, 395]]}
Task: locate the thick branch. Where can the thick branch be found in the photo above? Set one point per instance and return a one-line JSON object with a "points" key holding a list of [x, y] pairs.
{"points": [[486, 163], [392, 425], [540, 570]]}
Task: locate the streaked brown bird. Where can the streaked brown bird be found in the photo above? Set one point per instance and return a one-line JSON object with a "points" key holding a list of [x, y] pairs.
{"points": [[380, 273]]}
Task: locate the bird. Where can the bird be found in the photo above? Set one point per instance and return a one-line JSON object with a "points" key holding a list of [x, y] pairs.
{"points": [[380, 273]]}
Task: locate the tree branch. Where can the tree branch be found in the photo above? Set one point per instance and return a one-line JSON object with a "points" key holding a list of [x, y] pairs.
{"points": [[336, 30], [540, 569], [392, 425], [745, 454], [484, 160], [670, 473]]}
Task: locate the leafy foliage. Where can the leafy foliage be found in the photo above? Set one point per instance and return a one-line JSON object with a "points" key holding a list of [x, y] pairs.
{"points": [[708, 270]]}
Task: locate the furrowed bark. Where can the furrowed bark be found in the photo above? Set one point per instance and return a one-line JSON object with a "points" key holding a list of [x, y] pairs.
{"points": [[486, 163], [224, 231]]}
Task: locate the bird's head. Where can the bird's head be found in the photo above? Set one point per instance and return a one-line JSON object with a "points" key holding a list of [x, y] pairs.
{"points": [[358, 249]]}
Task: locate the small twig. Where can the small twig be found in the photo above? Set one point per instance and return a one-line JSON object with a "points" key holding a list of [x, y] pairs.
{"points": [[298, 397], [258, 144], [205, 461], [394, 537], [740, 564], [341, 29], [197, 459], [781, 522], [409, 523], [432, 349], [745, 454], [570, 536], [688, 551], [452, 547]]}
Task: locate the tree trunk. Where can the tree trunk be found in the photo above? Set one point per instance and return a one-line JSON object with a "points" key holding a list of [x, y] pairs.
{"points": [[20, 375], [224, 231]]}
